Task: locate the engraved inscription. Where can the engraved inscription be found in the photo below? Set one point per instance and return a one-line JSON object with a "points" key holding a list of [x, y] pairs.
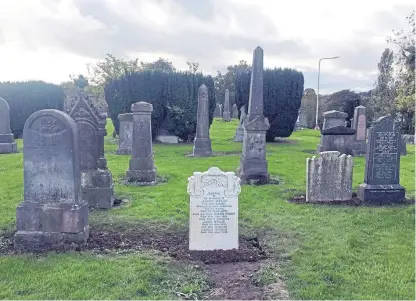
{"points": [[385, 156]]}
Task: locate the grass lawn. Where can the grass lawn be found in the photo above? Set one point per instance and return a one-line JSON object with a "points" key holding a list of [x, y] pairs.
{"points": [[320, 252]]}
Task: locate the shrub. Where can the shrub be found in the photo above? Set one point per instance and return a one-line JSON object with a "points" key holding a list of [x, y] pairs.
{"points": [[25, 98], [283, 90], [174, 96]]}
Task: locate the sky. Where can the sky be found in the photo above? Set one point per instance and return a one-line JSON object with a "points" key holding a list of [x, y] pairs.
{"points": [[51, 39]]}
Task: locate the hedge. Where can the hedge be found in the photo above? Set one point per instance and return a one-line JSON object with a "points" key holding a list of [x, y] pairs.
{"points": [[174, 96], [283, 90], [25, 98]]}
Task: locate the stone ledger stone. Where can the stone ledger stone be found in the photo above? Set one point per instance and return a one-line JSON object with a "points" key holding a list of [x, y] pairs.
{"points": [[213, 210], [329, 177], [359, 123], [125, 141], [141, 166], [226, 115], [202, 143], [53, 212], [234, 111], [239, 132], [96, 180], [382, 168], [253, 163], [7, 143]]}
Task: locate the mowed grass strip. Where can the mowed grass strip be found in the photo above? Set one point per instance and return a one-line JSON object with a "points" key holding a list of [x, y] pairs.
{"points": [[323, 252]]}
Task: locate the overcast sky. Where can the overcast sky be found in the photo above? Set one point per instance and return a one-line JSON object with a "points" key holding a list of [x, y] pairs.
{"points": [[50, 39]]}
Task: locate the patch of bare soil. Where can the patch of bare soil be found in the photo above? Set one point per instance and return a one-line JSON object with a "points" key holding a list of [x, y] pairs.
{"points": [[355, 201]]}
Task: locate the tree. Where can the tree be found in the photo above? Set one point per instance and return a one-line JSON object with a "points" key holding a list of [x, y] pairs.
{"points": [[344, 101], [193, 67], [308, 103], [383, 96], [160, 64]]}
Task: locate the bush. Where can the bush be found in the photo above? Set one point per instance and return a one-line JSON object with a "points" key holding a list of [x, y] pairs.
{"points": [[174, 96], [283, 90], [25, 98]]}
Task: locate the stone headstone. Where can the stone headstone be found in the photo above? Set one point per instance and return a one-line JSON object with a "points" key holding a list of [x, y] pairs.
{"points": [[359, 123], [403, 149], [338, 138], [141, 167], [202, 143], [226, 115], [7, 143], [125, 135], [334, 118], [239, 132], [329, 177], [53, 212], [382, 168], [96, 180], [410, 139], [302, 118], [253, 163], [235, 111], [217, 112], [164, 136], [213, 210]]}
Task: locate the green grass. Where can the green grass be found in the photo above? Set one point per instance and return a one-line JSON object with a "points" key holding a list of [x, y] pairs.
{"points": [[322, 252]]}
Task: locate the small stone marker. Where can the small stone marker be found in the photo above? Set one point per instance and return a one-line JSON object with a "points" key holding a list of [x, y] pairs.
{"points": [[253, 163], [213, 221], [234, 111], [141, 166], [329, 177], [382, 167], [202, 143], [7, 143], [226, 115], [359, 123], [53, 212], [239, 132], [125, 141], [217, 112]]}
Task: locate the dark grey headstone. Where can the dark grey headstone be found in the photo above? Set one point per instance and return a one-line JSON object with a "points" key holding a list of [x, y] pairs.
{"points": [[253, 163], [382, 170], [96, 180], [7, 143], [141, 167], [53, 212], [125, 135], [226, 115], [202, 143]]}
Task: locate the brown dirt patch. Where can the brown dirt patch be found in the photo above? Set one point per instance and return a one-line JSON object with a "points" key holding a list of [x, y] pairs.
{"points": [[301, 199]]}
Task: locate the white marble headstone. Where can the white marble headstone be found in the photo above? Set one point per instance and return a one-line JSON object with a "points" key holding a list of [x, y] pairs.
{"points": [[213, 210]]}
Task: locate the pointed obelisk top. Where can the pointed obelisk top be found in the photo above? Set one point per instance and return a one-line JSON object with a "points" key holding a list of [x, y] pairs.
{"points": [[255, 106]]}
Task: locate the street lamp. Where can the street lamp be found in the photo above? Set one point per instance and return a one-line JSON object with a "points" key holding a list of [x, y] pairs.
{"points": [[317, 94]]}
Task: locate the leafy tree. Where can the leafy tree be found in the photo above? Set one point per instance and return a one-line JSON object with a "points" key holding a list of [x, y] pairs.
{"points": [[161, 64], [344, 101], [193, 67]]}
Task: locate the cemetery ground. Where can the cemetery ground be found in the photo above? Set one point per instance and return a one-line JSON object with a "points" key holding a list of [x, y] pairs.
{"points": [[138, 249]]}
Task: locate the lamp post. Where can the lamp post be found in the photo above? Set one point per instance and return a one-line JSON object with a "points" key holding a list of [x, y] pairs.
{"points": [[317, 94]]}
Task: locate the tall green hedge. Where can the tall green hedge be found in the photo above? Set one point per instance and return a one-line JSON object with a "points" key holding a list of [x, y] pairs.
{"points": [[283, 90], [174, 97], [25, 98]]}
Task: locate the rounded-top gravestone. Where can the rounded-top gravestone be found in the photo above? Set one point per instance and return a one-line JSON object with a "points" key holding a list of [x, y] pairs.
{"points": [[7, 143]]}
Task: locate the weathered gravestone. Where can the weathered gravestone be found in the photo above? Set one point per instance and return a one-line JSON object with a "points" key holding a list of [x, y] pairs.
{"points": [[234, 111], [239, 132], [213, 210], [202, 143], [53, 212], [329, 177], [403, 147], [141, 166], [7, 143], [96, 180], [359, 124], [226, 115], [382, 168], [125, 135], [253, 163], [334, 118], [217, 112], [303, 118], [164, 136]]}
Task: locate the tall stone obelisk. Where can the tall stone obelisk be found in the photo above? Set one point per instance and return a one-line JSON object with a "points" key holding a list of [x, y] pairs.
{"points": [[226, 115], [202, 143], [253, 163]]}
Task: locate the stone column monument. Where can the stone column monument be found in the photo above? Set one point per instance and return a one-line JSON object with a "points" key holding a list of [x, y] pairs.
{"points": [[96, 183], [359, 123], [253, 164], [141, 167], [7, 144], [53, 212], [125, 134], [239, 133], [382, 166], [226, 115], [202, 143]]}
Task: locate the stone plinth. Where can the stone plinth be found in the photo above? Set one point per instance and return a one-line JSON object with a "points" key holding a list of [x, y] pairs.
{"points": [[141, 166], [53, 212], [339, 138]]}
